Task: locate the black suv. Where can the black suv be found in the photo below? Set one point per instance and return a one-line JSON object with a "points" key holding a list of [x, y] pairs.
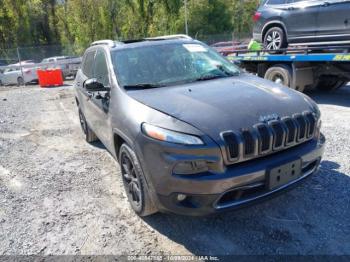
{"points": [[192, 133], [312, 22]]}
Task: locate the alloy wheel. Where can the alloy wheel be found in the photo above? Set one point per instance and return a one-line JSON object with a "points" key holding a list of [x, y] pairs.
{"points": [[131, 180], [273, 40]]}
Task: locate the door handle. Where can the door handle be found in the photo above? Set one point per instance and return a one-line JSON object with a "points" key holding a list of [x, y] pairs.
{"points": [[291, 8], [325, 4]]}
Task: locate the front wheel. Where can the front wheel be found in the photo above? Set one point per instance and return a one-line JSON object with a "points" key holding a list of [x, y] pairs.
{"points": [[134, 182]]}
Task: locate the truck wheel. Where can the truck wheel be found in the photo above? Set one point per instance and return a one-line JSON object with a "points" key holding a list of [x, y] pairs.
{"points": [[89, 134], [280, 74], [328, 83], [134, 182], [20, 81], [1, 83], [275, 39]]}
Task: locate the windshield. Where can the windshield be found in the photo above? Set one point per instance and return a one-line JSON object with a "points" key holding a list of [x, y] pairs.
{"points": [[162, 65]]}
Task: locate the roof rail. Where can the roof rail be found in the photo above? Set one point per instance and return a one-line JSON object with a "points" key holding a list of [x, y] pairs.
{"points": [[108, 42], [167, 37]]}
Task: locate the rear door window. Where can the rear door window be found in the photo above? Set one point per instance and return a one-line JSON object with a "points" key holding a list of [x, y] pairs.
{"points": [[88, 64], [100, 71]]}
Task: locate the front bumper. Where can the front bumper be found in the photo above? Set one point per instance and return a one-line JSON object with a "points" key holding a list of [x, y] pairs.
{"points": [[220, 188]]}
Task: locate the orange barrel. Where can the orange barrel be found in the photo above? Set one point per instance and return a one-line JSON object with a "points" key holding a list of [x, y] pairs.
{"points": [[50, 77]]}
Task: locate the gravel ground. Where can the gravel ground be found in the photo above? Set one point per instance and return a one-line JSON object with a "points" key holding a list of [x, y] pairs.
{"points": [[60, 195]]}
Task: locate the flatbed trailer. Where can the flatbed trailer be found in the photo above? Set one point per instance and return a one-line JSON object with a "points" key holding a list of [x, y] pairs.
{"points": [[299, 68]]}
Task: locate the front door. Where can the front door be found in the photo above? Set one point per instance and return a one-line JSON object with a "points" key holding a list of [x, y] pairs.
{"points": [[99, 101]]}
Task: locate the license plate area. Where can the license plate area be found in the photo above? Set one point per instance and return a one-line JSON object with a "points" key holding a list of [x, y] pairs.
{"points": [[283, 174]]}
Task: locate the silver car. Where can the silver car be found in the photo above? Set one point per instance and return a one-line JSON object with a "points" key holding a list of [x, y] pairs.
{"points": [[13, 75]]}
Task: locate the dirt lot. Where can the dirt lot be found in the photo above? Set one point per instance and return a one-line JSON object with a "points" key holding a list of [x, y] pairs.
{"points": [[60, 195]]}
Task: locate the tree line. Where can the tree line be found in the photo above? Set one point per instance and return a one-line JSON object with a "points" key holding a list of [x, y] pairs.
{"points": [[76, 23]]}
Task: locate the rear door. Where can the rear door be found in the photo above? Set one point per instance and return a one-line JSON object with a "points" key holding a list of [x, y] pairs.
{"points": [[300, 18], [95, 105], [99, 104], [85, 73], [334, 20]]}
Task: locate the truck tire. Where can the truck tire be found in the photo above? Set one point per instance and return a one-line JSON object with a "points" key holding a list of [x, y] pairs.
{"points": [[89, 134], [280, 74], [134, 182], [329, 83], [275, 39]]}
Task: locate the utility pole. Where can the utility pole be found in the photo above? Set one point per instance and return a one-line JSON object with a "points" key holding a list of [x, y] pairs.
{"points": [[186, 25]]}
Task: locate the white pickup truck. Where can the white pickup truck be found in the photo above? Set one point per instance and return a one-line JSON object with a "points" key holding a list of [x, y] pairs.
{"points": [[68, 64]]}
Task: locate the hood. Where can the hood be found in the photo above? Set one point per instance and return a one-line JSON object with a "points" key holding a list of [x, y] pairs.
{"points": [[225, 104]]}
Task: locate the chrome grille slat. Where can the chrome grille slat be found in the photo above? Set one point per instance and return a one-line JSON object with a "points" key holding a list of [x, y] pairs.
{"points": [[265, 138]]}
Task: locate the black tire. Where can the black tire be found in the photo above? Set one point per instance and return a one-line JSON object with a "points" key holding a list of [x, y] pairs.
{"points": [[275, 39], [20, 81], [329, 83], [89, 134], [280, 74], [1, 83], [134, 183]]}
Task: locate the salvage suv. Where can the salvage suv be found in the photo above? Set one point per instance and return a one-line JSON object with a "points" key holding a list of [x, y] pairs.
{"points": [[194, 134]]}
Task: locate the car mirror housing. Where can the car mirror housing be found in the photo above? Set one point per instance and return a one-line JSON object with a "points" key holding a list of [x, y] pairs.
{"points": [[92, 85]]}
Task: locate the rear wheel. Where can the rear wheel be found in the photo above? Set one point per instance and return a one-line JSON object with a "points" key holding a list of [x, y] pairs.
{"points": [[280, 74], [329, 83], [20, 81], [275, 39], [89, 134], [134, 182]]}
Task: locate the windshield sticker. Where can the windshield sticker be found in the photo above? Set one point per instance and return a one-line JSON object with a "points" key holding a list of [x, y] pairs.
{"points": [[195, 48]]}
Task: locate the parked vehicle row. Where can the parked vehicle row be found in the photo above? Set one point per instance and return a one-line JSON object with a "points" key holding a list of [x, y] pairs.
{"points": [[26, 71]]}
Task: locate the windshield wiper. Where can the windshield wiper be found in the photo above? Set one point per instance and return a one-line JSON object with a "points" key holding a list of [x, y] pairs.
{"points": [[209, 77], [226, 71], [142, 86]]}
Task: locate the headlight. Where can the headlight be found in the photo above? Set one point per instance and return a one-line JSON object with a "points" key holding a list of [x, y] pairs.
{"points": [[163, 134]]}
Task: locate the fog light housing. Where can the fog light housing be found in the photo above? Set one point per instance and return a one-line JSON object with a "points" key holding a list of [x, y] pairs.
{"points": [[190, 167]]}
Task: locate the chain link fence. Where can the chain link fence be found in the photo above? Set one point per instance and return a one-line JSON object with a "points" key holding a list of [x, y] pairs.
{"points": [[19, 65]]}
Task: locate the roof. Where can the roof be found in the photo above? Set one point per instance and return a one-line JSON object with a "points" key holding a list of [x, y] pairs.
{"points": [[141, 42]]}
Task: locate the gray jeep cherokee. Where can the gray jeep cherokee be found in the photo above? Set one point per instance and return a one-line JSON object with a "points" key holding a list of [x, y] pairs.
{"points": [[192, 133]]}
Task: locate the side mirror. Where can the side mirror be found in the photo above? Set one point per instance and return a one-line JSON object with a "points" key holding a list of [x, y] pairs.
{"points": [[93, 85]]}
